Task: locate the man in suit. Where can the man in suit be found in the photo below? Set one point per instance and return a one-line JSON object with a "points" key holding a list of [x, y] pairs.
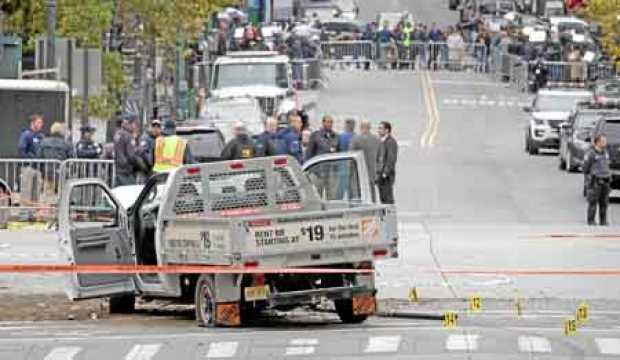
{"points": [[386, 163], [368, 143]]}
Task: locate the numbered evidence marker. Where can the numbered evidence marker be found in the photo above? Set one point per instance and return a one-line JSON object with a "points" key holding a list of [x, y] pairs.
{"points": [[450, 319], [413, 295], [518, 307], [475, 303], [582, 313], [570, 327]]}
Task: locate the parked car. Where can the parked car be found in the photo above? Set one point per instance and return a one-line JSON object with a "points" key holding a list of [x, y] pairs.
{"points": [[205, 142], [575, 134], [551, 107], [338, 29], [610, 127], [223, 113], [607, 92]]}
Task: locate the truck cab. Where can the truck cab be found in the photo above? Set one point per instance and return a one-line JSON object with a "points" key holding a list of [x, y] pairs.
{"points": [[264, 75], [267, 212]]}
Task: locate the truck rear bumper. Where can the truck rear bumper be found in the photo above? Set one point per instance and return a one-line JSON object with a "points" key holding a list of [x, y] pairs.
{"points": [[303, 297]]}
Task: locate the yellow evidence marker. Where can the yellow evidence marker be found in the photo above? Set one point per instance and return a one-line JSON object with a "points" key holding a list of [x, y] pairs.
{"points": [[475, 303], [570, 327], [582, 312], [449, 319], [413, 295]]}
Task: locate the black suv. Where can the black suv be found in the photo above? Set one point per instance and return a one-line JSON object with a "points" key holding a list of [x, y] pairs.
{"points": [[575, 134], [610, 127]]}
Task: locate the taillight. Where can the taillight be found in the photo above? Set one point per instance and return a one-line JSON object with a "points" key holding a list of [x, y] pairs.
{"points": [[258, 279], [250, 264], [259, 223], [193, 171], [379, 252], [280, 162], [236, 165]]}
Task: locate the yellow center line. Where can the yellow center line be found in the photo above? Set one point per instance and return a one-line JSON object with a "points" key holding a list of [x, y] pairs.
{"points": [[424, 140], [434, 108]]}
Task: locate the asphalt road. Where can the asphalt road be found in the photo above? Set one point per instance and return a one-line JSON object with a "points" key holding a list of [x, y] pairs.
{"points": [[477, 215]]}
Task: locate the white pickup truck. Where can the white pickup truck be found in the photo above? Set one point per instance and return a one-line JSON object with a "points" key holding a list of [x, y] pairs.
{"points": [[267, 212]]}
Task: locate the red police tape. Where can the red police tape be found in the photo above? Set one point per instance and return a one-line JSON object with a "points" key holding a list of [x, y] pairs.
{"points": [[168, 269]]}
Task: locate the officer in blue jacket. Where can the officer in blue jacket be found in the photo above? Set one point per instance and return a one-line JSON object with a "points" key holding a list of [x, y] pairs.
{"points": [[29, 140], [289, 139], [87, 148]]}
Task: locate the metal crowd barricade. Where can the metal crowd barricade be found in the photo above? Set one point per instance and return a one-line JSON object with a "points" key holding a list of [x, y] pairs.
{"points": [[29, 188], [307, 73], [601, 71], [442, 56], [566, 72], [519, 74], [348, 52]]}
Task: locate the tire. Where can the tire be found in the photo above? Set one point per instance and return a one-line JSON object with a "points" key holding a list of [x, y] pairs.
{"points": [[527, 142], [344, 308], [569, 163], [205, 301], [123, 304], [562, 161], [532, 149]]}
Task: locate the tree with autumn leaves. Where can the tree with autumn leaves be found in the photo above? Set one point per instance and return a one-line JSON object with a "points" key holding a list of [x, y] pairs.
{"points": [[163, 21], [606, 13]]}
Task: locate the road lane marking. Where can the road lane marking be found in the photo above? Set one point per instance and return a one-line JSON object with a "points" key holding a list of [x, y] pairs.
{"points": [[608, 346], [143, 352], [382, 344], [467, 342], [304, 342], [222, 349], [301, 346], [434, 109], [429, 113], [299, 350], [63, 353], [534, 344]]}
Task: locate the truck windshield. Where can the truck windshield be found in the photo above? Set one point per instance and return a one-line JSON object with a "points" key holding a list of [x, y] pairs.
{"points": [[231, 75]]}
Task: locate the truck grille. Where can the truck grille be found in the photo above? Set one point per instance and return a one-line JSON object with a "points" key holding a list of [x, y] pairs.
{"points": [[188, 199], [287, 188], [269, 105]]}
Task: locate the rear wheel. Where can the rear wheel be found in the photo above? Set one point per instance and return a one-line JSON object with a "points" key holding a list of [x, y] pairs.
{"points": [[570, 167], [532, 148], [344, 308], [122, 304], [205, 301], [562, 160]]}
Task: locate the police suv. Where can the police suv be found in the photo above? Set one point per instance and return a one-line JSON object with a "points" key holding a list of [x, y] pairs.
{"points": [[551, 107], [575, 134]]}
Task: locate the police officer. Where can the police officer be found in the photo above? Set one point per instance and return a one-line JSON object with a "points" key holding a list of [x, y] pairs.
{"points": [[86, 148], [30, 138], [171, 151], [598, 176], [265, 141], [146, 148], [241, 146], [288, 141], [126, 159]]}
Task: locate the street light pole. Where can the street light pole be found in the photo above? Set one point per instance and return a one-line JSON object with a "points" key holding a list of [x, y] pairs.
{"points": [[51, 35]]}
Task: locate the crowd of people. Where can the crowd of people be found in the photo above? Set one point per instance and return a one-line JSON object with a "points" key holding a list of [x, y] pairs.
{"points": [[159, 149], [380, 151]]}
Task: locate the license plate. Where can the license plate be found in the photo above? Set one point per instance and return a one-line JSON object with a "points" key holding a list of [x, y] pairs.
{"points": [[255, 293]]}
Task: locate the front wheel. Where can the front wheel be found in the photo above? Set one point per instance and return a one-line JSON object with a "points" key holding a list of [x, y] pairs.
{"points": [[205, 301], [344, 308]]}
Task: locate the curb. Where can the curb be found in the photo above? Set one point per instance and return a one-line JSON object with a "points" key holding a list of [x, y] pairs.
{"points": [[410, 315]]}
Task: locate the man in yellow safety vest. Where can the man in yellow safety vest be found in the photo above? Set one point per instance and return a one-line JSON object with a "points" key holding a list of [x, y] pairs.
{"points": [[171, 151]]}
